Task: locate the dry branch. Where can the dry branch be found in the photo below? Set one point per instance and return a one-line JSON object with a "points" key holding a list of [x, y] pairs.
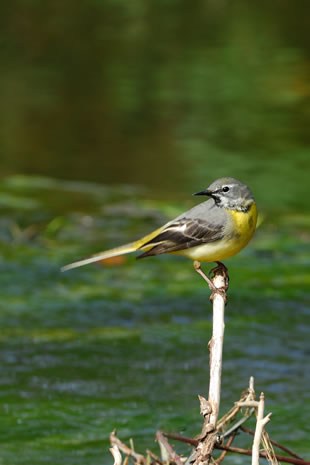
{"points": [[223, 454], [154, 457], [216, 348], [116, 455], [214, 431], [275, 443], [281, 458], [247, 395], [237, 450], [260, 424], [167, 450], [210, 408], [121, 446]]}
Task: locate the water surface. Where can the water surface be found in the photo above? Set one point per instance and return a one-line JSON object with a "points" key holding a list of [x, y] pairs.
{"points": [[113, 113]]}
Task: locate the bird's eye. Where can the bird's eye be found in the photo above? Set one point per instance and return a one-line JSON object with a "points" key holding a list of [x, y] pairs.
{"points": [[225, 189]]}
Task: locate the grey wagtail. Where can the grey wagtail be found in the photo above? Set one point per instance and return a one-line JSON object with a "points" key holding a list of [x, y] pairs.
{"points": [[209, 232]]}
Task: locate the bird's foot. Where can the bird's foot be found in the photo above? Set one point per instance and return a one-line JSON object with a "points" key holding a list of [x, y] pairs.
{"points": [[223, 271], [215, 290]]}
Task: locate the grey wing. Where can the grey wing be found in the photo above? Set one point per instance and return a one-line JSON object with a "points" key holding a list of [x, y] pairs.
{"points": [[189, 230]]}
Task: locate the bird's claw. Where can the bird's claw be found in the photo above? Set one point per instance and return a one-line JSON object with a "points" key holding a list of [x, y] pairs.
{"points": [[221, 269], [215, 290]]}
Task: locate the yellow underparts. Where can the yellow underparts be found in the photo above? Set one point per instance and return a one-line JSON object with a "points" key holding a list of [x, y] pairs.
{"points": [[240, 229]]}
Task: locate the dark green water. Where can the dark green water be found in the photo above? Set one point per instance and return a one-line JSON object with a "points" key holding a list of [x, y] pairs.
{"points": [[126, 346], [147, 102]]}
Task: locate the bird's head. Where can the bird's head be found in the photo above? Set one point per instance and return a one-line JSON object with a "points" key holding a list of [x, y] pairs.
{"points": [[229, 193]]}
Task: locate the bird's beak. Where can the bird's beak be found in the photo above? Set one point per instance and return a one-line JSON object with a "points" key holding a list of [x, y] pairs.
{"points": [[205, 192]]}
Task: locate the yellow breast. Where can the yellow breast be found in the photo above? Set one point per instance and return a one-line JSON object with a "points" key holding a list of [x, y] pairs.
{"points": [[244, 222], [237, 236]]}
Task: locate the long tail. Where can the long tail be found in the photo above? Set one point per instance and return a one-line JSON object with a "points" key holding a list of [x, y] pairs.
{"points": [[122, 250]]}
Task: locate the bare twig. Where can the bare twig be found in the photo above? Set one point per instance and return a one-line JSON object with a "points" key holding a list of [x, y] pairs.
{"points": [[260, 424], [116, 455], [223, 454], [237, 425], [268, 448], [115, 441], [263, 455], [227, 418], [154, 457], [178, 437], [216, 348], [251, 386], [132, 445], [210, 408], [164, 445], [238, 450], [275, 443], [247, 395], [247, 403]]}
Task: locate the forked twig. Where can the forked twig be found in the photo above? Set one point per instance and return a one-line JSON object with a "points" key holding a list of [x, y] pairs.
{"points": [[121, 446], [260, 424]]}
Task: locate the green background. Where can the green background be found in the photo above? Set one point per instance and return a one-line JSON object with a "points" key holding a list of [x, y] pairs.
{"points": [[112, 114]]}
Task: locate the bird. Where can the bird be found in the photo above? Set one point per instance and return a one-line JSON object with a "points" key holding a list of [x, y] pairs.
{"points": [[211, 231]]}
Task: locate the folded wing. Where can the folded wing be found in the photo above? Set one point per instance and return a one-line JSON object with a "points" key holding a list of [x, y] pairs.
{"points": [[182, 234]]}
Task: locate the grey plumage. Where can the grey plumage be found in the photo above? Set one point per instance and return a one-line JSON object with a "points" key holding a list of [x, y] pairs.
{"points": [[204, 223], [189, 230]]}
